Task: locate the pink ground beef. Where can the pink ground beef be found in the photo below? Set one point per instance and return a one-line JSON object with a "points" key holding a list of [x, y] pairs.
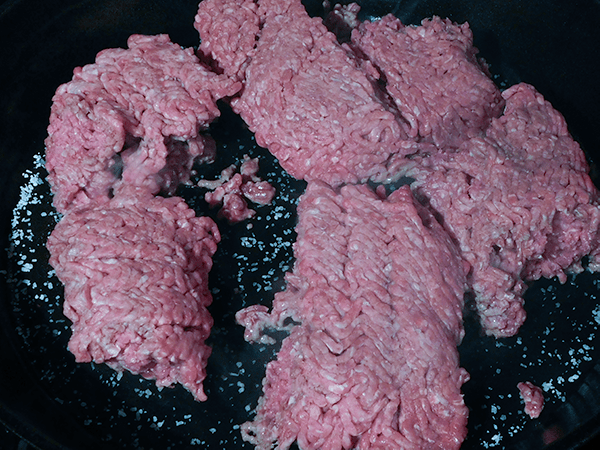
{"points": [[520, 203], [228, 31], [533, 397], [375, 297], [135, 271], [310, 101], [340, 113], [433, 75], [377, 288], [122, 119], [232, 191]]}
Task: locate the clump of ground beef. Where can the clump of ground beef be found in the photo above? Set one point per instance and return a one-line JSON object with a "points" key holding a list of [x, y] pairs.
{"points": [[520, 203], [135, 265], [433, 75], [135, 271], [533, 397], [125, 118], [377, 289], [232, 190], [348, 112], [308, 100]]}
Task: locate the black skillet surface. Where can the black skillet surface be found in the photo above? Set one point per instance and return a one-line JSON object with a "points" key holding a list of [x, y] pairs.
{"points": [[56, 404]]}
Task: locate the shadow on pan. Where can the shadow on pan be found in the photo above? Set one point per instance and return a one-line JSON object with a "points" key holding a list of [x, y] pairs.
{"points": [[54, 403]]}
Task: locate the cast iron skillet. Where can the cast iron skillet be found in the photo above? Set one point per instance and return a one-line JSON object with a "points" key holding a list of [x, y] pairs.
{"points": [[56, 404]]}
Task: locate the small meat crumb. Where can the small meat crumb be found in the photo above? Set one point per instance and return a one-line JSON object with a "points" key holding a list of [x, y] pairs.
{"points": [[232, 190], [533, 398]]}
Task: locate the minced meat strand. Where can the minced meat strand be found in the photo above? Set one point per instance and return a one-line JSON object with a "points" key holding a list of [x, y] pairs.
{"points": [[377, 288], [135, 271], [119, 120], [520, 203]]}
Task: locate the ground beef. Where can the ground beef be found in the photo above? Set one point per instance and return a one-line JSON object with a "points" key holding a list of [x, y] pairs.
{"points": [[433, 74], [374, 303], [532, 397], [347, 113], [121, 119], [520, 203], [313, 103], [232, 190], [377, 288], [228, 31], [135, 271]]}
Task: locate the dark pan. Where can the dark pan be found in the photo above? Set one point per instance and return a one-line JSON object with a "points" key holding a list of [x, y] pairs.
{"points": [[54, 403]]}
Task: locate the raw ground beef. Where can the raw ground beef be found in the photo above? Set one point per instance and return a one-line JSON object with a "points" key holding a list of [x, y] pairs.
{"points": [[377, 288], [434, 77], [347, 113], [311, 102], [374, 303], [132, 118], [135, 271], [520, 203], [533, 398], [228, 31], [232, 190]]}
